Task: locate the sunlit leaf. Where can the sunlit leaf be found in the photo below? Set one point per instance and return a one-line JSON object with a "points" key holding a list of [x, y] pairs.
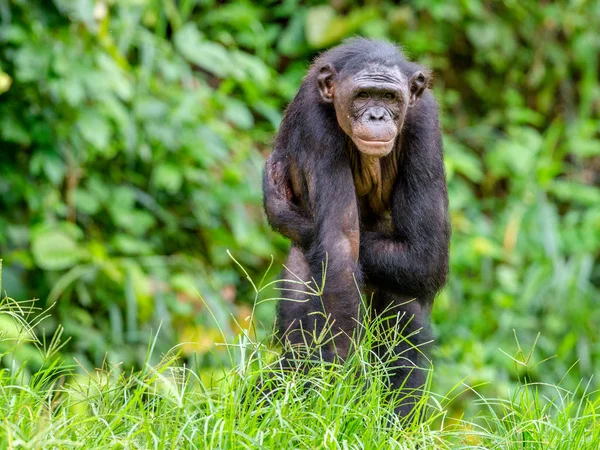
{"points": [[55, 250], [94, 128], [211, 56]]}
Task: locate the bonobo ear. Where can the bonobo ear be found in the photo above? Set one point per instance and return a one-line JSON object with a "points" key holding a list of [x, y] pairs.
{"points": [[417, 84], [325, 79]]}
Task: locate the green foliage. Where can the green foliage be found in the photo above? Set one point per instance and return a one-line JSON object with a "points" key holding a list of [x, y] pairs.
{"points": [[132, 136], [127, 168]]}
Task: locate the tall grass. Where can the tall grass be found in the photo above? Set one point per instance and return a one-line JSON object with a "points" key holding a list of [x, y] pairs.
{"points": [[250, 403]]}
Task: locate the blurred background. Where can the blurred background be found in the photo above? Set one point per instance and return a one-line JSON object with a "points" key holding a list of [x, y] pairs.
{"points": [[133, 135]]}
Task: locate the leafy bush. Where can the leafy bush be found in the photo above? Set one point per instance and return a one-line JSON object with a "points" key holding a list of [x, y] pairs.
{"points": [[132, 138], [127, 170]]}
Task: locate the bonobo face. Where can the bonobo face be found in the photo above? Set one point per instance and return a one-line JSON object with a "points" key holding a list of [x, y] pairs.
{"points": [[371, 104]]}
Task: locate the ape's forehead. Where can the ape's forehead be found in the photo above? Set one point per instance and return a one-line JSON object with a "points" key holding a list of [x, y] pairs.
{"points": [[379, 73]]}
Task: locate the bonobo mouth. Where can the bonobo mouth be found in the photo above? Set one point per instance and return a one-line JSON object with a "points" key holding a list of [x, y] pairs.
{"points": [[374, 148]]}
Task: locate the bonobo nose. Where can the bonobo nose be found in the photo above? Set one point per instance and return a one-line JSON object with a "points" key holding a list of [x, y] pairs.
{"points": [[376, 113]]}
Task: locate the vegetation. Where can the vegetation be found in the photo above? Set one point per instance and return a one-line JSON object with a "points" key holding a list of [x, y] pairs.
{"points": [[132, 138], [172, 406]]}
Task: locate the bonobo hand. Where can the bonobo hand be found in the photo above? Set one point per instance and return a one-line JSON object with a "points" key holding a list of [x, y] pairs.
{"points": [[294, 223]]}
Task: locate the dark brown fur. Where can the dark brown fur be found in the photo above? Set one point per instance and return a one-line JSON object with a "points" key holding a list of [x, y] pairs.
{"points": [[381, 221]]}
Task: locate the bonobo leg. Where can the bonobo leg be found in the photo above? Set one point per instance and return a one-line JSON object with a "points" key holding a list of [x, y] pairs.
{"points": [[404, 336], [323, 315], [300, 311]]}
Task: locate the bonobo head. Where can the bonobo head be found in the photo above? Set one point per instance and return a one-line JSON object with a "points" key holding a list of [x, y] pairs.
{"points": [[371, 95]]}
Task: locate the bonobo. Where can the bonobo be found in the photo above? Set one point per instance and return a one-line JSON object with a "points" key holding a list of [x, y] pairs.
{"points": [[357, 182]]}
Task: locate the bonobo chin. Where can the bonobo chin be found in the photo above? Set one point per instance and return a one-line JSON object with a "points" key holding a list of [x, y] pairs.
{"points": [[356, 180]]}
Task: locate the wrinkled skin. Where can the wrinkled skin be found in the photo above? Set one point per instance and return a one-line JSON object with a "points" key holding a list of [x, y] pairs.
{"points": [[357, 178], [371, 105]]}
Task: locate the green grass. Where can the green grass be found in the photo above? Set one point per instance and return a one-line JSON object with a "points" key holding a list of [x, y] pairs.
{"points": [[170, 406]]}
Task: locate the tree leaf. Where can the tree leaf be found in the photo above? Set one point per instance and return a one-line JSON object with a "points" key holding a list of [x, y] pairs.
{"points": [[94, 128], [55, 250], [209, 55]]}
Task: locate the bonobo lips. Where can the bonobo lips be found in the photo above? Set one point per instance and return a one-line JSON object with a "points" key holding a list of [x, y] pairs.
{"points": [[374, 148], [374, 139]]}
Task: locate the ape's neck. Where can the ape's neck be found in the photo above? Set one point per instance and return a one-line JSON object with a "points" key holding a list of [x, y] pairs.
{"points": [[373, 176], [367, 172]]}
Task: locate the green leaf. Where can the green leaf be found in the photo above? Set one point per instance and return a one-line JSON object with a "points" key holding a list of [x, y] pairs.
{"points": [[55, 250], [211, 56], [168, 177], [460, 159], [319, 25], [516, 156], [291, 40], [116, 76], [11, 130], [86, 202], [94, 128], [325, 27], [248, 67], [239, 114], [576, 192], [32, 63], [50, 163]]}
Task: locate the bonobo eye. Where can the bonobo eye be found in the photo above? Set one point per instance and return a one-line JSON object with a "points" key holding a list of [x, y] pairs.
{"points": [[389, 96], [363, 94]]}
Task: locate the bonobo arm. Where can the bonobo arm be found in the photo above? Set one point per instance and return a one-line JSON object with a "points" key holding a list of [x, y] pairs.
{"points": [[325, 221], [414, 259], [333, 200], [283, 215]]}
